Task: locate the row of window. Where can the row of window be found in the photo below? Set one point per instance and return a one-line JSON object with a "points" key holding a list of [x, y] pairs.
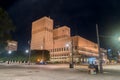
{"points": [[55, 55], [42, 29], [62, 49], [60, 58], [61, 36], [68, 49], [59, 49]]}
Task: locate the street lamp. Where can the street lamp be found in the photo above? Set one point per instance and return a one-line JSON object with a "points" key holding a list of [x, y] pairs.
{"points": [[29, 57], [28, 52], [29, 43], [9, 52], [100, 55], [42, 60], [70, 45], [119, 51]]}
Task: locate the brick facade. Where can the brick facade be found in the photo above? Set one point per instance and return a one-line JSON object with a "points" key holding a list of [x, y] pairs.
{"points": [[58, 42]]}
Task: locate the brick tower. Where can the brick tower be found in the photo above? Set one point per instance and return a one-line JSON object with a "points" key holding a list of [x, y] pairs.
{"points": [[42, 34]]}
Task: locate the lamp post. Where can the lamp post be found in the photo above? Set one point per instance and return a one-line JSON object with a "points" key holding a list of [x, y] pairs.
{"points": [[29, 55], [28, 52], [118, 50], [72, 63], [9, 52], [70, 45], [42, 60], [100, 55]]}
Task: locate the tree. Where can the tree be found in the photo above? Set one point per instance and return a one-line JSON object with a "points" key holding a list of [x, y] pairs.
{"points": [[6, 26], [112, 54], [40, 54], [14, 56]]}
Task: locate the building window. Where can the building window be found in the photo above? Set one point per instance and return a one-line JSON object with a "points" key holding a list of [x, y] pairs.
{"points": [[55, 49], [62, 49], [67, 48], [75, 47], [59, 49], [50, 50]]}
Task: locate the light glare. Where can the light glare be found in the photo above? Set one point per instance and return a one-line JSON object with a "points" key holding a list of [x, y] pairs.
{"points": [[9, 52], [27, 51]]}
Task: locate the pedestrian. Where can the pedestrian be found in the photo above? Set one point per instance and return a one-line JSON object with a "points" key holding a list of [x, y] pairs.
{"points": [[91, 68], [96, 67]]}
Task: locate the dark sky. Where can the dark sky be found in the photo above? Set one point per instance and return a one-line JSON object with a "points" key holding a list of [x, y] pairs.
{"points": [[80, 15]]}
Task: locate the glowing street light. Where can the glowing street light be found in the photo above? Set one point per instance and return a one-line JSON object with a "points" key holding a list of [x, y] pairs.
{"points": [[67, 45], [27, 51], [9, 52], [118, 38]]}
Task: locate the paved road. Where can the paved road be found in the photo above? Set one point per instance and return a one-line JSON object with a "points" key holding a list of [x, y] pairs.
{"points": [[55, 72]]}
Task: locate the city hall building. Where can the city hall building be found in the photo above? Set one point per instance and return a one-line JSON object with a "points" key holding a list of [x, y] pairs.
{"points": [[61, 45]]}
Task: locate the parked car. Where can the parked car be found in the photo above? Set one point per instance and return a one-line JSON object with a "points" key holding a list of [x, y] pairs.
{"points": [[41, 62]]}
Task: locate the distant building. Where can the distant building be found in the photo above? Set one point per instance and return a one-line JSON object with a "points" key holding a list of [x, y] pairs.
{"points": [[12, 46], [60, 43]]}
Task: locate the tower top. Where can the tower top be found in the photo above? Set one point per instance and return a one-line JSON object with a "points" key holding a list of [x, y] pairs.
{"points": [[45, 18]]}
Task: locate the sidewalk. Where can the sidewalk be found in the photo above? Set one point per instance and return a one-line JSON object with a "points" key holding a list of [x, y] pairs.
{"points": [[51, 72]]}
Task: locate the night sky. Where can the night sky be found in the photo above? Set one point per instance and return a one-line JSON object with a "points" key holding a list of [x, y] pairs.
{"points": [[80, 15]]}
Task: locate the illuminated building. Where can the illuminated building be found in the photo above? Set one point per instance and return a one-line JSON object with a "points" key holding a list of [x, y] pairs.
{"points": [[42, 34], [60, 43], [12, 46]]}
